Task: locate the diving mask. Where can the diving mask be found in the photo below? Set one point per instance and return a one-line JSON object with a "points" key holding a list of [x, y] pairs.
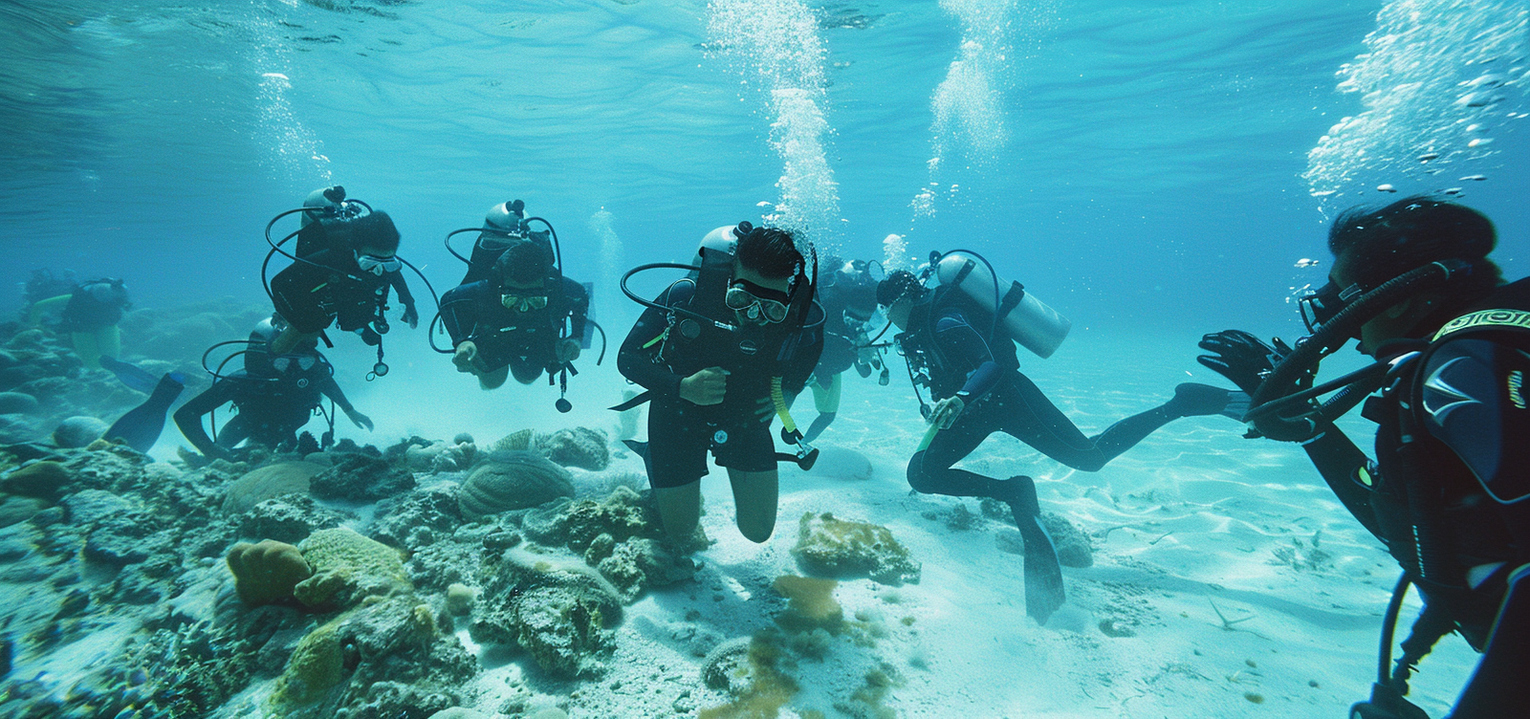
{"points": [[756, 303], [523, 303], [302, 362], [1321, 306], [378, 265]]}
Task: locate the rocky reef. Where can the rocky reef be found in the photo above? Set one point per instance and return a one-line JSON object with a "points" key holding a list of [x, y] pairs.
{"points": [[840, 548]]}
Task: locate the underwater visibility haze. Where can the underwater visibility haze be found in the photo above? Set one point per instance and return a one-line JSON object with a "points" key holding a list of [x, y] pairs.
{"points": [[1154, 171]]}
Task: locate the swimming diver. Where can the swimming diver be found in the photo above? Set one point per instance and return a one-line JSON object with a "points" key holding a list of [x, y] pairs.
{"points": [[341, 276], [716, 353], [275, 395], [1447, 491], [524, 317], [89, 314], [848, 295], [968, 362]]}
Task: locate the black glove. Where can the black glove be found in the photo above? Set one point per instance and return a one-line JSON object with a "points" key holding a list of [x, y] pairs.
{"points": [[1241, 357], [411, 317]]}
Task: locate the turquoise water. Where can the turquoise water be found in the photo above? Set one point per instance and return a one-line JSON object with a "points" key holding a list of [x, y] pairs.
{"points": [[1152, 170]]}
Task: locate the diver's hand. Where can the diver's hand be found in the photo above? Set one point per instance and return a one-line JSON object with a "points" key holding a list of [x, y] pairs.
{"points": [[466, 353], [705, 387], [1241, 357], [567, 351], [946, 411], [359, 419], [411, 317]]}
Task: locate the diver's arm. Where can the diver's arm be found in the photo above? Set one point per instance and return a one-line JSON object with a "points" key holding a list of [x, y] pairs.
{"points": [[401, 288], [1344, 467], [636, 358], [331, 389], [189, 417], [959, 340], [459, 313], [1472, 401]]}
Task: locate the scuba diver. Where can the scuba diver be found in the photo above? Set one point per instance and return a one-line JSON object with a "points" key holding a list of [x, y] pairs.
{"points": [[89, 313], [274, 395], [963, 352], [717, 352], [346, 262], [523, 318], [505, 224], [849, 299], [1446, 493]]}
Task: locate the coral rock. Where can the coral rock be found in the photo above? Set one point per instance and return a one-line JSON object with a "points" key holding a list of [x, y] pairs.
{"points": [[17, 403], [810, 603], [841, 548], [362, 478], [78, 432], [580, 447], [348, 566], [14, 509], [44, 479], [272, 480], [266, 573], [519, 441], [289, 518], [557, 609], [512, 480]]}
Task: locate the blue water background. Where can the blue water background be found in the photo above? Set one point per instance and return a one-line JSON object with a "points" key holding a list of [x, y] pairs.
{"points": [[1148, 178]]}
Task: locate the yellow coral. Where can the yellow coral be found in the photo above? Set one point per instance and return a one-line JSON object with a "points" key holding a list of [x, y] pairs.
{"points": [[317, 665], [810, 603], [267, 572]]}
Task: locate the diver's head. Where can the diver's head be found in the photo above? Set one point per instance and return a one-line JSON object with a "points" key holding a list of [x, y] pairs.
{"points": [[525, 264], [765, 263], [373, 239], [505, 217], [899, 293], [1372, 246], [109, 291]]}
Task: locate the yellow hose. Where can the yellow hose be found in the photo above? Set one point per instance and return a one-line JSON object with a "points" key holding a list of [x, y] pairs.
{"points": [[779, 398]]}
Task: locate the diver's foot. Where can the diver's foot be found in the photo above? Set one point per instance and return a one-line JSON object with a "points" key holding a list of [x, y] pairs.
{"points": [[1044, 591], [1019, 492], [1199, 400]]}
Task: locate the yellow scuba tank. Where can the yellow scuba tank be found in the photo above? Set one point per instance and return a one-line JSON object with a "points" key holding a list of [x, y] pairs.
{"points": [[1026, 320]]}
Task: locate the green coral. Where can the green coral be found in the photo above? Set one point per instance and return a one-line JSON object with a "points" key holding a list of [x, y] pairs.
{"points": [[317, 665], [833, 547], [348, 566], [556, 608]]}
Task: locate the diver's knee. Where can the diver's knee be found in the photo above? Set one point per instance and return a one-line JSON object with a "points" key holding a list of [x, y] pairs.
{"points": [[918, 479], [757, 530]]}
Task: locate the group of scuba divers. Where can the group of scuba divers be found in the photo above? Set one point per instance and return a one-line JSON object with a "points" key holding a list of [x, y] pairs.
{"points": [[751, 323]]}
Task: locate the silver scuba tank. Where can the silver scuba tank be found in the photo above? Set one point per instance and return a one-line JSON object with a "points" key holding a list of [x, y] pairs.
{"points": [[1027, 320]]}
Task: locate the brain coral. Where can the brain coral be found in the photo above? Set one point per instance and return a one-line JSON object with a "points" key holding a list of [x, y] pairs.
{"points": [[266, 572], [347, 566], [512, 480], [843, 548]]}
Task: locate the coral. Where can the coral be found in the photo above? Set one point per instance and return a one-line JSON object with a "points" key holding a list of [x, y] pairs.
{"points": [[347, 566], [750, 673], [557, 609], [580, 447], [622, 515], [86, 507], [78, 432], [419, 518], [14, 509], [267, 572], [272, 480], [44, 480], [317, 665], [17, 403], [810, 603], [362, 478], [289, 518], [126, 538], [518, 441], [638, 564], [842, 548], [459, 599], [1073, 546], [512, 480]]}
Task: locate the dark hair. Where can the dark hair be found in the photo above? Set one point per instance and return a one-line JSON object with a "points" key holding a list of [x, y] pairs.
{"points": [[524, 262], [373, 230], [1384, 243], [770, 251], [898, 284]]}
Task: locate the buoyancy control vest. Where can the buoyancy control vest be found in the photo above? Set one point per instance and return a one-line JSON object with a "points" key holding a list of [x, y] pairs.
{"points": [[929, 363], [1432, 512]]}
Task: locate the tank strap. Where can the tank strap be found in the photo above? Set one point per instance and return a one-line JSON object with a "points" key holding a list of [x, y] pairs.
{"points": [[1011, 300]]}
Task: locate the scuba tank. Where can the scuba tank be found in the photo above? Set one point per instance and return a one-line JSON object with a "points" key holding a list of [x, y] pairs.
{"points": [[1027, 320]]}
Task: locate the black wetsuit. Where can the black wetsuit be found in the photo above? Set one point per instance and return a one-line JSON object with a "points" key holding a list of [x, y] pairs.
{"points": [[950, 336], [93, 305], [1449, 493], [526, 341], [658, 354], [330, 288], [270, 410]]}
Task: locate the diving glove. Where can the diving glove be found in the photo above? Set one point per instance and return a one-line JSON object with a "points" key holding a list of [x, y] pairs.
{"points": [[1241, 357]]}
